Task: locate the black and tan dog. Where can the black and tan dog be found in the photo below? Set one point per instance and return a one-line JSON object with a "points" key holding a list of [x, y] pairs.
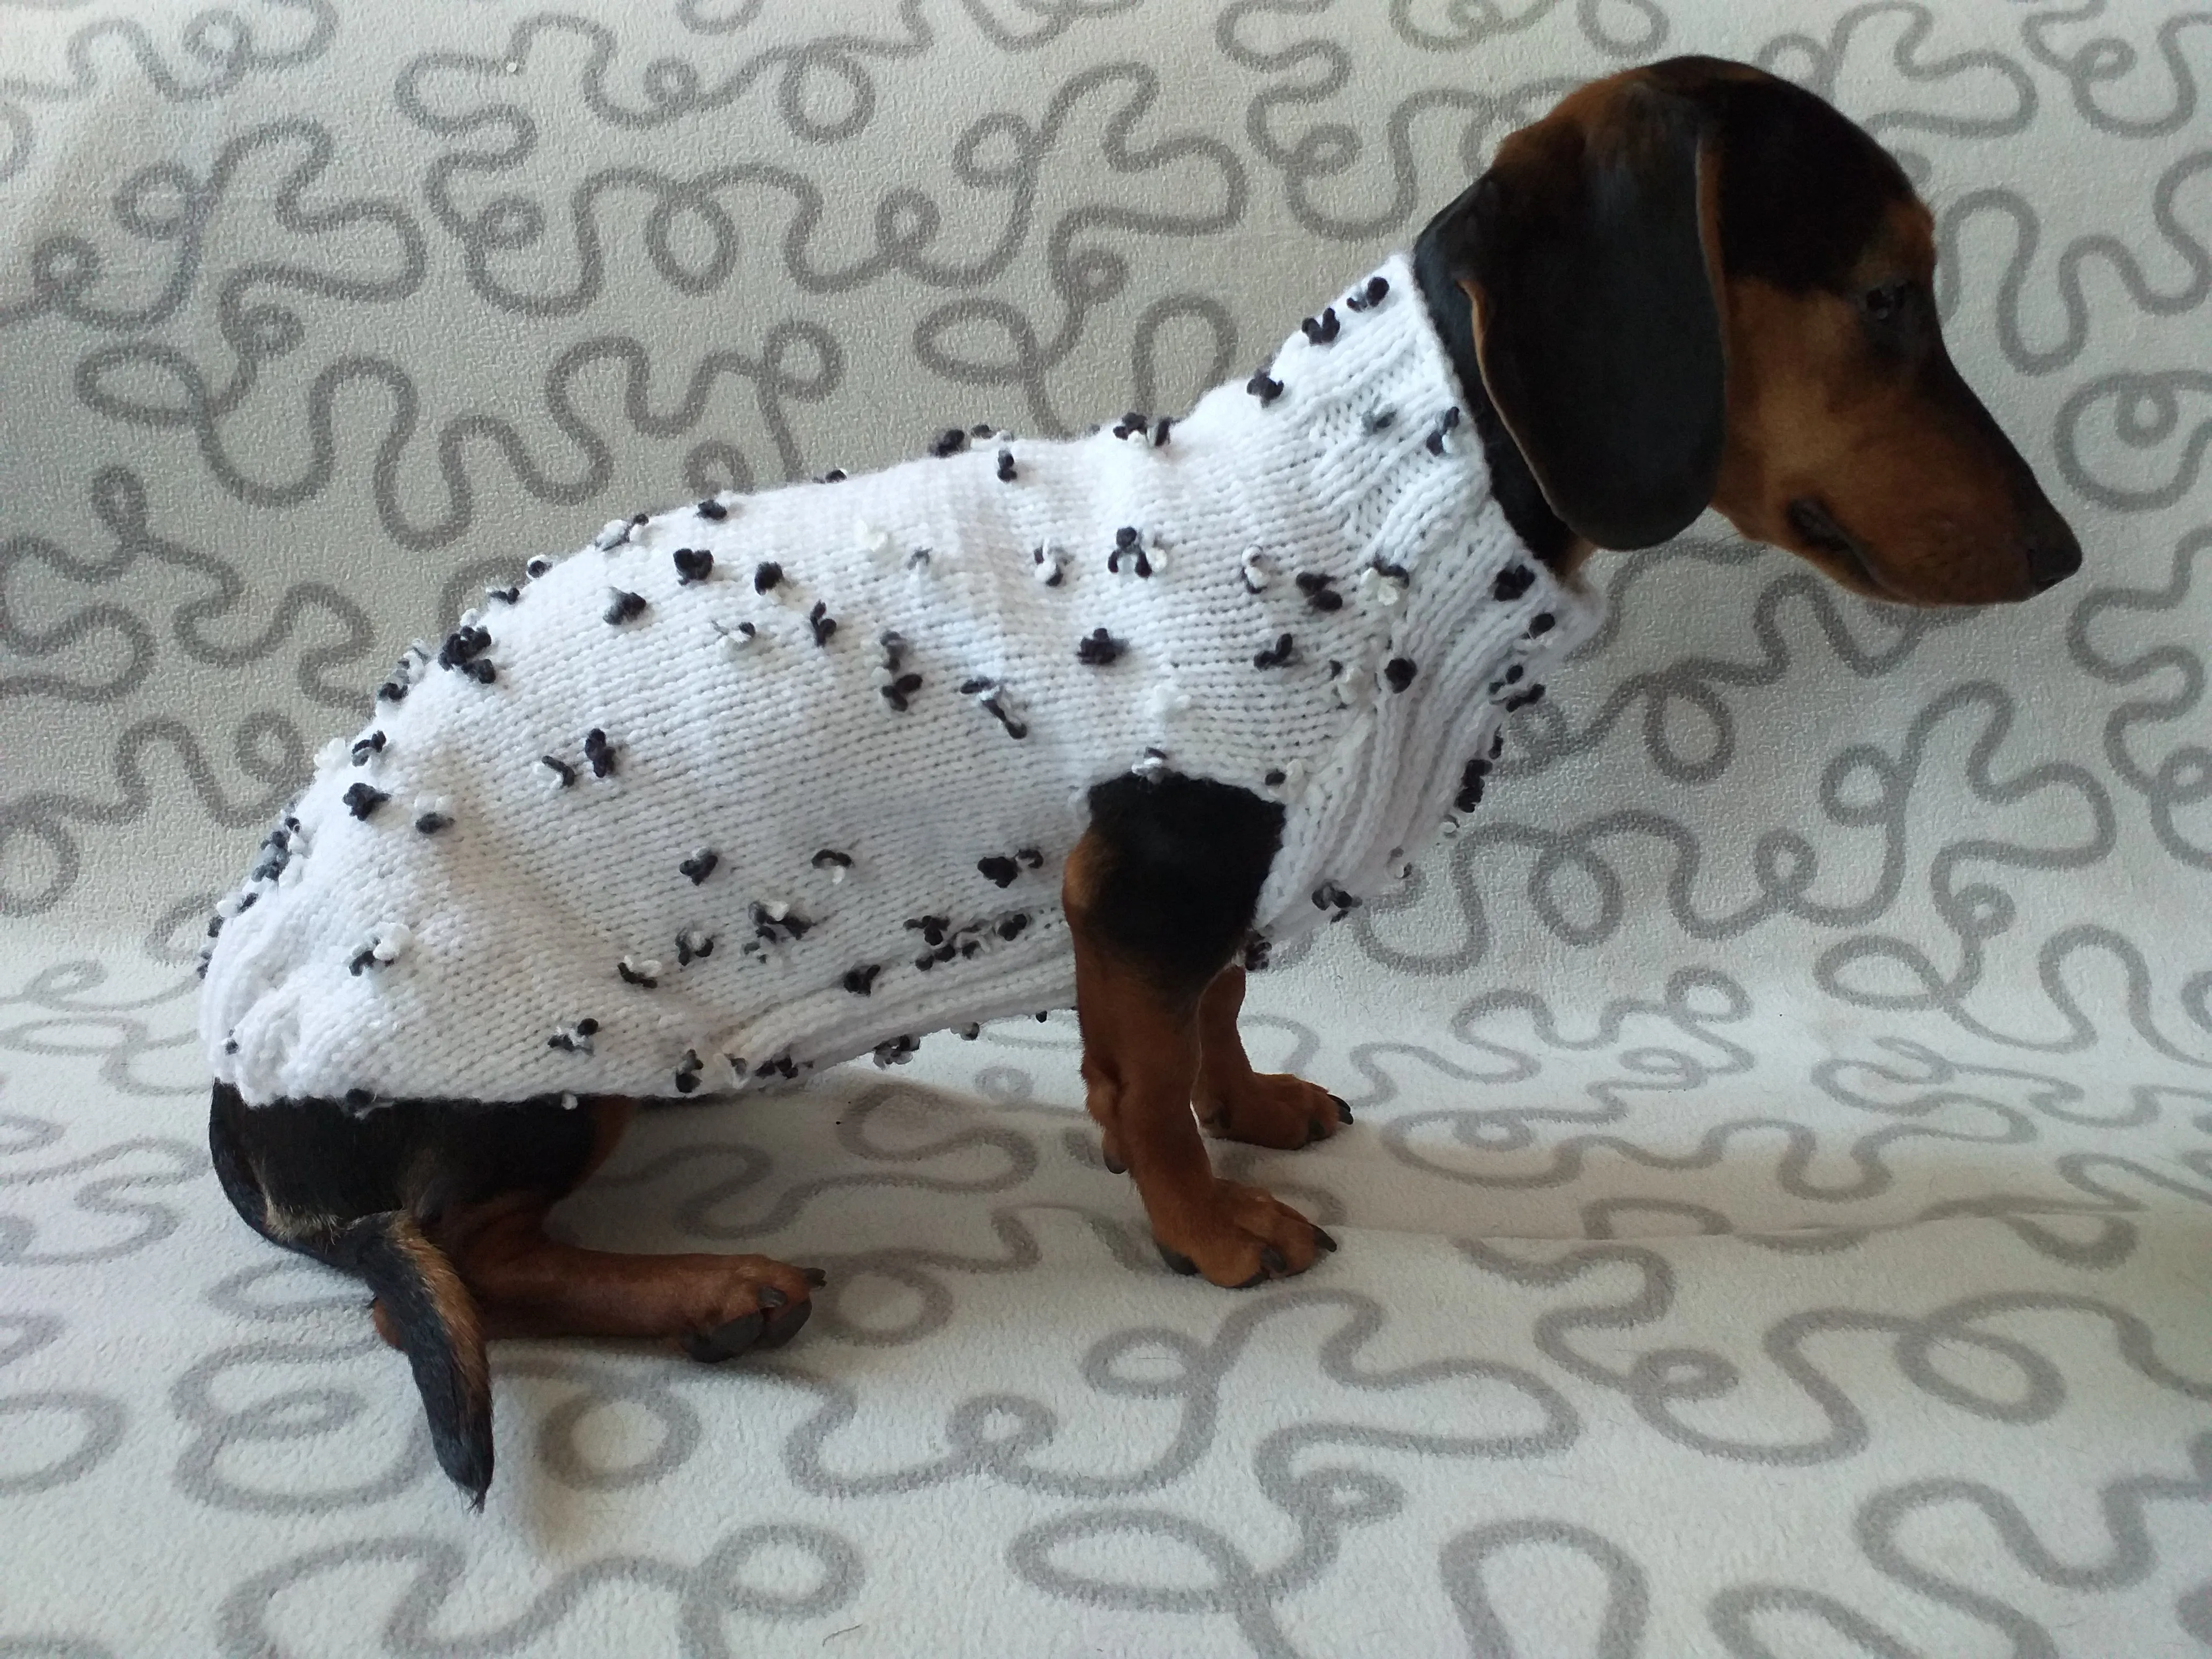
{"points": [[1690, 284]]}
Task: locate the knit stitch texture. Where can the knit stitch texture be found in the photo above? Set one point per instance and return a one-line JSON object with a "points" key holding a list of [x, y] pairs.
{"points": [[768, 782]]}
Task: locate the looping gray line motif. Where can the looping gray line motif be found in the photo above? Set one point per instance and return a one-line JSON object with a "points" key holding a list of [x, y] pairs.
{"points": [[1008, 1437], [2124, 1502], [223, 45], [2177, 787], [2106, 60], [708, 1595], [1656, 1382], [100, 1419], [123, 1169], [1467, 1557]]}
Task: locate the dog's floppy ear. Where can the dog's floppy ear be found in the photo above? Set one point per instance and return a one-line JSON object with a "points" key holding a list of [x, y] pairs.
{"points": [[1591, 251]]}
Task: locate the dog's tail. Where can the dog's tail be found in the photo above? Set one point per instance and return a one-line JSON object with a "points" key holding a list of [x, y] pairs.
{"points": [[425, 1306], [430, 1311]]}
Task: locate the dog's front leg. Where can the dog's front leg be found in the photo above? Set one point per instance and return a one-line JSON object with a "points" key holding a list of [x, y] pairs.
{"points": [[1238, 1103], [1138, 1011]]}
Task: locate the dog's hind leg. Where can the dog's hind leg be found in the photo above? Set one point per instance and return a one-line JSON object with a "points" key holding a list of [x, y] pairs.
{"points": [[439, 1205], [1237, 1103], [715, 1307]]}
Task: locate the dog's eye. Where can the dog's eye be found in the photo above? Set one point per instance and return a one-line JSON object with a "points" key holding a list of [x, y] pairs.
{"points": [[1885, 300]]}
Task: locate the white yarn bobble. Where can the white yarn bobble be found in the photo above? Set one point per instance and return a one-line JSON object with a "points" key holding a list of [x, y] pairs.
{"points": [[295, 860], [391, 943], [1259, 570], [1354, 687], [875, 541], [333, 755], [737, 643], [612, 535], [1384, 585], [1168, 700]]}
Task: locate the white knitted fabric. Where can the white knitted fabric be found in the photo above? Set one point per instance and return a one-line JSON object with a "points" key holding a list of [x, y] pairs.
{"points": [[488, 932]]}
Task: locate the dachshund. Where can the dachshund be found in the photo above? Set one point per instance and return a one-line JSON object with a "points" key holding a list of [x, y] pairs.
{"points": [[1690, 284]]}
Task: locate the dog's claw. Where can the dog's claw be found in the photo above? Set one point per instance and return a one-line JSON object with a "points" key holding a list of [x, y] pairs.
{"points": [[727, 1341], [786, 1325], [1272, 1265], [1324, 1241], [1176, 1260], [814, 1276], [1114, 1164], [769, 1296], [1343, 1111]]}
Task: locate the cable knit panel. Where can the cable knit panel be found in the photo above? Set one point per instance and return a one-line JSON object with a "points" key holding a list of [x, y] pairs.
{"points": [[763, 783]]}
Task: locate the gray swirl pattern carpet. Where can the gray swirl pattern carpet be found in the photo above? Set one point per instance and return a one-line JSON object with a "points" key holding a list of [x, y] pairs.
{"points": [[1779, 1221]]}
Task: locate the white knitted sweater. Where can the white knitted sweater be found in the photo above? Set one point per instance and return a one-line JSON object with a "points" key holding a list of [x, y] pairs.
{"points": [[792, 843]]}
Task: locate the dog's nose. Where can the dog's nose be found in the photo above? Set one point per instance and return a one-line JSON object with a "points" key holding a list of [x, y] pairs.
{"points": [[2053, 555]]}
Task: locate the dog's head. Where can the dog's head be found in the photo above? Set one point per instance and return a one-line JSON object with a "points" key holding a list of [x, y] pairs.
{"points": [[1696, 284]]}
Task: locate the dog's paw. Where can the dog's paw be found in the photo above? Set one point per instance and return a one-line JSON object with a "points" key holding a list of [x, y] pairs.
{"points": [[1275, 1110], [1249, 1237], [778, 1306]]}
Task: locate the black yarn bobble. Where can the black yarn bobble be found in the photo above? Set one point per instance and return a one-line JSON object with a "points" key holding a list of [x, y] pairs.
{"points": [[464, 650], [599, 752], [951, 442], [693, 564], [1471, 784], [1265, 387], [1322, 329], [1320, 591], [622, 606], [1511, 583], [1276, 655], [1399, 671], [1128, 543], [713, 510], [1369, 297], [1097, 649], [700, 864], [767, 574], [361, 799]]}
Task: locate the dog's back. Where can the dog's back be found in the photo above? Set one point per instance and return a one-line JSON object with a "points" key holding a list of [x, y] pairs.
{"points": [[768, 783]]}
